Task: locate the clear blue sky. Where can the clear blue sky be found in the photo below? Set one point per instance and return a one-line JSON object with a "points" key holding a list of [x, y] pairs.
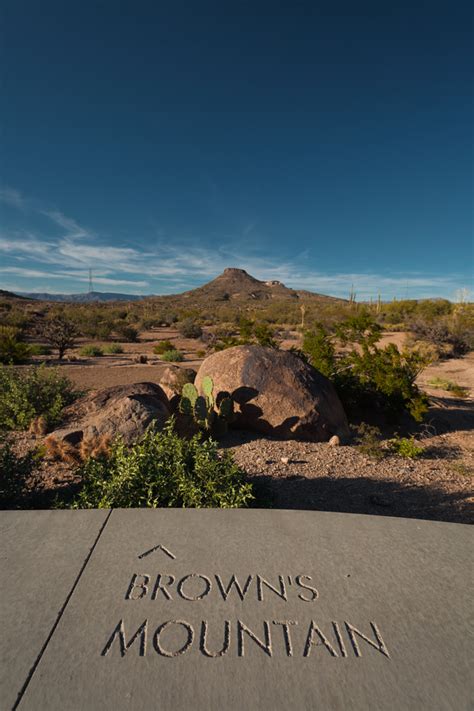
{"points": [[159, 142]]}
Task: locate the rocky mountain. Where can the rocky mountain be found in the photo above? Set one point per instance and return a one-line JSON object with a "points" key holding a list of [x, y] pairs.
{"points": [[237, 285], [233, 285]]}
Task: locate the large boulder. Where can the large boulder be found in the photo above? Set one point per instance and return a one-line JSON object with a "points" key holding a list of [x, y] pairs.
{"points": [[172, 380], [277, 393], [124, 410]]}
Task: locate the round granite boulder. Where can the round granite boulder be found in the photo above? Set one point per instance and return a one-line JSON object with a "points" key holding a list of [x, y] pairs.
{"points": [[277, 393], [124, 410], [172, 380]]}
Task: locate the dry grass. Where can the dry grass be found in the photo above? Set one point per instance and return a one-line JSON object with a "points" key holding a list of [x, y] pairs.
{"points": [[39, 426], [61, 451]]}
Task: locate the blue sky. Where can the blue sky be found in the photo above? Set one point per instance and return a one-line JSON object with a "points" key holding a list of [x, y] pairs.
{"points": [[157, 143]]}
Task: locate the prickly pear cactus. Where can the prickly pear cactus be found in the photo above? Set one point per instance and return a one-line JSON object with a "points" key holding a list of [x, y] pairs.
{"points": [[190, 392], [200, 408], [211, 414], [207, 386], [226, 408]]}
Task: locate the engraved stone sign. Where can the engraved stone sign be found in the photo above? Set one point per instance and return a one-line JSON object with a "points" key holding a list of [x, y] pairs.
{"points": [[217, 609]]}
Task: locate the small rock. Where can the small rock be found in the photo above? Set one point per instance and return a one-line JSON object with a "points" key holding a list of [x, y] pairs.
{"points": [[334, 441], [284, 460]]}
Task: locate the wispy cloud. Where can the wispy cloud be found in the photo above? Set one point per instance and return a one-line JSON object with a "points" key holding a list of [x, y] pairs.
{"points": [[11, 197], [174, 265]]}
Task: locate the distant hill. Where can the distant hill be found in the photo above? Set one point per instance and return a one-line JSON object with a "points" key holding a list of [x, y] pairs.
{"points": [[237, 285], [10, 295], [233, 285], [83, 298]]}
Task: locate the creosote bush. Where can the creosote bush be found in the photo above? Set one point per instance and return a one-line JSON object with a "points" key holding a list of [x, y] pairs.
{"points": [[12, 349], [190, 329], [91, 351], [113, 349], [163, 346], [126, 332], [160, 470], [172, 356], [28, 393], [368, 378]]}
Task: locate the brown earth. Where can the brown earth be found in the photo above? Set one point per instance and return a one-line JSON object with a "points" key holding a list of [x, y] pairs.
{"points": [[316, 476]]}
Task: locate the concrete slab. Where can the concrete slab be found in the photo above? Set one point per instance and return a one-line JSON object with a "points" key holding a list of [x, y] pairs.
{"points": [[216, 609], [41, 555]]}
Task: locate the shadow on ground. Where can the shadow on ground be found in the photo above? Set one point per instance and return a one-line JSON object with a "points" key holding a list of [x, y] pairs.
{"points": [[362, 495]]}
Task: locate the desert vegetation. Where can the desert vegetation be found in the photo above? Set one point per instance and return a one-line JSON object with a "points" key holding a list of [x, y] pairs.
{"points": [[390, 365]]}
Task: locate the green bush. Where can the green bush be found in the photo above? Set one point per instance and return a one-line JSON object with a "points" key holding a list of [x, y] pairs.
{"points": [[38, 350], [28, 393], [14, 472], [173, 356], [405, 447], [162, 347], [12, 350], [319, 348], [162, 470], [91, 351], [369, 378], [190, 329], [369, 441], [113, 349], [264, 335], [127, 333]]}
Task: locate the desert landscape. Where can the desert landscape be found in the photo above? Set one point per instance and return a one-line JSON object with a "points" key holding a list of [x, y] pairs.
{"points": [[409, 466]]}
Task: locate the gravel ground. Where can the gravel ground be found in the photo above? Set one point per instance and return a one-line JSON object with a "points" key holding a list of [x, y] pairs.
{"points": [[302, 475]]}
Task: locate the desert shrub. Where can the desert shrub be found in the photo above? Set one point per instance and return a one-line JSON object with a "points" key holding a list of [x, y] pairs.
{"points": [[405, 447], [172, 356], [148, 323], [318, 346], [14, 473], [162, 470], [167, 319], [113, 349], [31, 392], [264, 335], [61, 333], [12, 349], [37, 349], [91, 351], [449, 386], [368, 378], [440, 334], [432, 309], [190, 329], [245, 328], [220, 344], [126, 332], [200, 354], [369, 441], [162, 347]]}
